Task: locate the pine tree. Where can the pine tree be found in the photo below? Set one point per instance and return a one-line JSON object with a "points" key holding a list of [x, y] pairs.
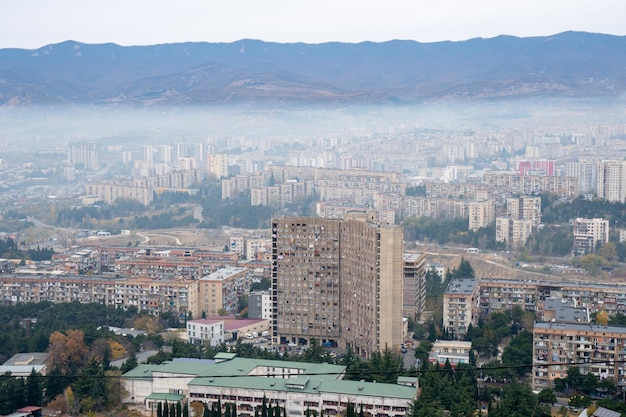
{"points": [[159, 409], [130, 363], [186, 410], [264, 407], [34, 390], [166, 410]]}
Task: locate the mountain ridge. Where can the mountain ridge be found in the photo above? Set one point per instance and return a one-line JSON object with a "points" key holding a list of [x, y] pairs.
{"points": [[566, 64]]}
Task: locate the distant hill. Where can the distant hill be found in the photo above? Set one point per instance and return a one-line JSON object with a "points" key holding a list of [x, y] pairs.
{"points": [[571, 64]]}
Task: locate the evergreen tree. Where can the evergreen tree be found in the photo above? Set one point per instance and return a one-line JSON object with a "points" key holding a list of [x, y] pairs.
{"points": [[159, 412], [179, 410], [106, 358], [130, 363], [55, 384], [464, 270], [185, 410], [264, 412], [34, 389], [91, 384], [166, 409]]}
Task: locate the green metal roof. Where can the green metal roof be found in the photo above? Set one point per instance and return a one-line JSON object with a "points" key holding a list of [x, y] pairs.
{"points": [[407, 379], [224, 356], [143, 371], [234, 367], [165, 396], [370, 389]]}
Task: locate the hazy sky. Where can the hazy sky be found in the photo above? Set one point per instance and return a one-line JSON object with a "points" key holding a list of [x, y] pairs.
{"points": [[35, 23]]}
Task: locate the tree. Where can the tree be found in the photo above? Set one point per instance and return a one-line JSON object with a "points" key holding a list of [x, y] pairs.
{"points": [[547, 396], [421, 408], [315, 353], [34, 389], [517, 400], [114, 388], [464, 270], [90, 385], [68, 352], [602, 318], [129, 364], [592, 263], [519, 353], [55, 384]]}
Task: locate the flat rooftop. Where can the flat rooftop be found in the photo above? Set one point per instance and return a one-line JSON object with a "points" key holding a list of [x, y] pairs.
{"points": [[462, 286]]}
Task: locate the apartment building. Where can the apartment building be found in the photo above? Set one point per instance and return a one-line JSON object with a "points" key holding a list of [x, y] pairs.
{"points": [[156, 266], [460, 306], [414, 286], [600, 350], [503, 294], [143, 189], [585, 172], [260, 305], [338, 281], [513, 232], [612, 180], [217, 165], [221, 290], [154, 296], [524, 208], [588, 233], [205, 332], [481, 214], [452, 190], [85, 155], [533, 184], [452, 351]]}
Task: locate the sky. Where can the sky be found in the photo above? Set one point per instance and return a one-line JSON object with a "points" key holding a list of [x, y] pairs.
{"points": [[35, 23]]}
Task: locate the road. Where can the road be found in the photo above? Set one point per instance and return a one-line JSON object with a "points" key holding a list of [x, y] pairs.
{"points": [[146, 237]]}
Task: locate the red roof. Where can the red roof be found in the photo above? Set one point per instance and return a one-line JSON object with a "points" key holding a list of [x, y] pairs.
{"points": [[230, 322], [238, 324], [29, 409]]}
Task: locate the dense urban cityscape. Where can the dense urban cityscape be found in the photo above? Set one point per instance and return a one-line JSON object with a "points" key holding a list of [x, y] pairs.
{"points": [[404, 246]]}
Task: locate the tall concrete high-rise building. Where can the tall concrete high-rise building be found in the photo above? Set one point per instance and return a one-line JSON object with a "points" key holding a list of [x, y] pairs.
{"points": [[337, 281], [414, 290], [612, 181], [84, 154], [217, 165], [481, 214], [586, 173], [524, 208], [587, 234]]}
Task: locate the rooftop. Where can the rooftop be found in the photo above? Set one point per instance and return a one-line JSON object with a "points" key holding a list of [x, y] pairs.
{"points": [[580, 327], [311, 384], [462, 286], [231, 323], [223, 274], [235, 367], [27, 359]]}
